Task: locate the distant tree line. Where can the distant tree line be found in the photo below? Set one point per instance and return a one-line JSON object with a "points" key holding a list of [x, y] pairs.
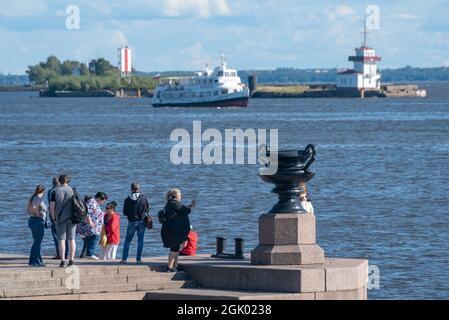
{"points": [[409, 73], [7, 80], [291, 75], [73, 75]]}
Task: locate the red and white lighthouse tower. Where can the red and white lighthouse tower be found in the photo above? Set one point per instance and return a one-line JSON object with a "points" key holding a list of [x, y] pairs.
{"points": [[364, 75], [125, 61]]}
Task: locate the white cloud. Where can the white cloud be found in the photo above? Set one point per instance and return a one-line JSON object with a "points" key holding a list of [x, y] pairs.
{"points": [[220, 8], [194, 56], [405, 16], [101, 6], [119, 39], [344, 11], [21, 8], [339, 11], [196, 8]]}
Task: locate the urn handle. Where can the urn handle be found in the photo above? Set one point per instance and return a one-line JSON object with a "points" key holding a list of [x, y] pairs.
{"points": [[311, 152]]}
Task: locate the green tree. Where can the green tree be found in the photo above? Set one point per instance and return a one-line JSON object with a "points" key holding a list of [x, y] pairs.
{"points": [[104, 68], [53, 64], [84, 69], [68, 66]]}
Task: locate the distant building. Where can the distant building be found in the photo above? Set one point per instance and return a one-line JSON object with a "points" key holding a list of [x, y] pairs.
{"points": [[92, 66], [364, 74], [76, 72]]}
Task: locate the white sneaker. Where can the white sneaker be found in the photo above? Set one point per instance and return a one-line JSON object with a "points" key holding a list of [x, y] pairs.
{"points": [[92, 258]]}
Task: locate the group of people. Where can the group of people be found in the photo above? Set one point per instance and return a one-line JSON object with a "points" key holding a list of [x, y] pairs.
{"points": [[102, 227]]}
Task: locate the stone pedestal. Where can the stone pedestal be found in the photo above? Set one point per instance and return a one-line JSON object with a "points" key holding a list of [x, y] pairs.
{"points": [[287, 239]]}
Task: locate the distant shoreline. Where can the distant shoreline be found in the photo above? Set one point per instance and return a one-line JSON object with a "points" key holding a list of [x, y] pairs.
{"points": [[20, 88]]}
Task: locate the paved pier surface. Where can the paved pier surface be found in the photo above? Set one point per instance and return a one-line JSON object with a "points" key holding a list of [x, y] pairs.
{"points": [[201, 278], [105, 280]]}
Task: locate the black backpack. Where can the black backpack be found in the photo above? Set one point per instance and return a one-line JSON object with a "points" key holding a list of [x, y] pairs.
{"points": [[79, 210], [164, 216]]}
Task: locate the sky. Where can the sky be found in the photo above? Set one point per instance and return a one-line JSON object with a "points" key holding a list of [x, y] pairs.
{"points": [[254, 34]]}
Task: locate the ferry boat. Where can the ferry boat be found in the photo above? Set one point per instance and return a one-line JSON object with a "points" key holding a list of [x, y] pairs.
{"points": [[221, 87]]}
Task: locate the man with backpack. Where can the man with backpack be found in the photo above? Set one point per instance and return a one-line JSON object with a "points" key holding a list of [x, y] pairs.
{"points": [[135, 208], [61, 213]]}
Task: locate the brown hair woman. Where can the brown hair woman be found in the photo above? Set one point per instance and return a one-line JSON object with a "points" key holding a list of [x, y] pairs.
{"points": [[37, 210]]}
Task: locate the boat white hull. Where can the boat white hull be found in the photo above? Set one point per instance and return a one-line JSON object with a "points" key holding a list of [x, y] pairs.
{"points": [[241, 102]]}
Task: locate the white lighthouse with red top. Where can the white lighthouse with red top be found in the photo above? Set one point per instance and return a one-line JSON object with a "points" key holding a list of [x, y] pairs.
{"points": [[364, 75]]}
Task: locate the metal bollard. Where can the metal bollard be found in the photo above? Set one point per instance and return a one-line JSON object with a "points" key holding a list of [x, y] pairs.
{"points": [[221, 245], [239, 247]]}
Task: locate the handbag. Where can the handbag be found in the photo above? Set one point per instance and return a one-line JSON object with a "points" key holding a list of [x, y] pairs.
{"points": [[47, 223], [103, 238], [148, 222]]}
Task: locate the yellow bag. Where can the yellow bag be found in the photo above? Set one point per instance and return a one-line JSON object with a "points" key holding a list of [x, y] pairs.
{"points": [[103, 238]]}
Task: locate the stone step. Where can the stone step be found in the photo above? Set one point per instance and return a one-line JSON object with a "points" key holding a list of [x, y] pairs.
{"points": [[136, 295], [58, 282], [154, 277], [59, 293], [53, 273], [177, 284], [30, 284], [25, 274], [212, 294], [85, 270]]}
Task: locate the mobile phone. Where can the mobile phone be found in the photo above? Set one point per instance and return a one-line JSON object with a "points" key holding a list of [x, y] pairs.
{"points": [[195, 196]]}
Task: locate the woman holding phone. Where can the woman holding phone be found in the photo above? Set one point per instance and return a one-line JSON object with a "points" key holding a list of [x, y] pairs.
{"points": [[176, 226]]}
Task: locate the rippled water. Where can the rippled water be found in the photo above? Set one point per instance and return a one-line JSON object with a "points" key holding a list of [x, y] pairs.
{"points": [[381, 189]]}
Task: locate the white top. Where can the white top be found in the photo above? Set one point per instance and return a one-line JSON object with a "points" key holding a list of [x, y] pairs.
{"points": [[307, 207], [38, 208]]}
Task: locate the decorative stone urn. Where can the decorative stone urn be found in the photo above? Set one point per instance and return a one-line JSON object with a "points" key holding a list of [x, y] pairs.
{"points": [[287, 235], [293, 170]]}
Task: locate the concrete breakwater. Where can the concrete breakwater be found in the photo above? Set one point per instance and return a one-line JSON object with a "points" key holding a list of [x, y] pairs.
{"points": [[263, 91], [122, 93], [19, 88], [331, 91]]}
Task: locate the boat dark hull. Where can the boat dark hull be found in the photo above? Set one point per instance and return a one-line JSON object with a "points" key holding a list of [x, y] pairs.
{"points": [[238, 102]]}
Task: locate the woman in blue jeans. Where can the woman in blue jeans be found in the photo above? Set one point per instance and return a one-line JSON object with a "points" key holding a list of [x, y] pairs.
{"points": [[37, 209]]}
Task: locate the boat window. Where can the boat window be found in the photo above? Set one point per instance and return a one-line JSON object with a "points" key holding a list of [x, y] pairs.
{"points": [[193, 94], [220, 73], [224, 91], [216, 93], [201, 94], [204, 81], [211, 81]]}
